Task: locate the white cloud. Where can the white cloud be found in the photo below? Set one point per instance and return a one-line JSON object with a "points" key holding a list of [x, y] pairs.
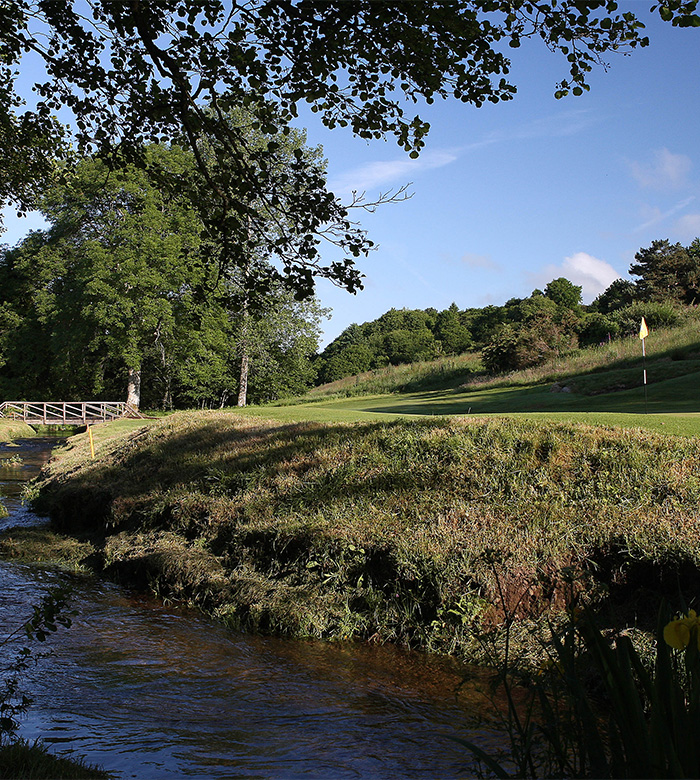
{"points": [[479, 261], [653, 215], [592, 274], [688, 226], [564, 123], [385, 172], [665, 171]]}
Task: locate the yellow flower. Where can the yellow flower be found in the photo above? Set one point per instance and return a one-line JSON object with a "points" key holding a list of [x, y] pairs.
{"points": [[677, 633]]}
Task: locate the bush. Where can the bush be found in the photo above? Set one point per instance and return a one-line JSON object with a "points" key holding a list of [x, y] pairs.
{"points": [[597, 328], [527, 345], [658, 314]]}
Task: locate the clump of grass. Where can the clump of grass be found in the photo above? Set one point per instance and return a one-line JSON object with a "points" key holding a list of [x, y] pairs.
{"points": [[379, 529], [14, 429], [41, 545], [22, 759]]}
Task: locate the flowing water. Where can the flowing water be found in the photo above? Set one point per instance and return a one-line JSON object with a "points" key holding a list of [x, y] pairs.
{"points": [[155, 691]]}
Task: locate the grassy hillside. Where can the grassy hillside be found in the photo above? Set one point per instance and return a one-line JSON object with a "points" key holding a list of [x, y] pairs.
{"points": [[610, 367], [599, 385], [385, 530]]}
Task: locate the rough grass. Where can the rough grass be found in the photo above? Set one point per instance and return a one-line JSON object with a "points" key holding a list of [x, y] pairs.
{"points": [[13, 429], [442, 373], [41, 545], [22, 759], [390, 530]]}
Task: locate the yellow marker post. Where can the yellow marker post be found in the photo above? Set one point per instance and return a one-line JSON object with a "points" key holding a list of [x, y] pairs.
{"points": [[92, 443]]}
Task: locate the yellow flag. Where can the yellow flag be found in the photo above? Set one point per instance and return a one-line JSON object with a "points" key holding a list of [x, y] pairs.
{"points": [[643, 330]]}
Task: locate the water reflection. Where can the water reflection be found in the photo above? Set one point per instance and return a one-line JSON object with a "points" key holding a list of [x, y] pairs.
{"points": [[21, 460], [154, 691]]}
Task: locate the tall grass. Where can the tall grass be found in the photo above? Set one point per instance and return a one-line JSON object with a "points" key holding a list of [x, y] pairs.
{"points": [[379, 529], [678, 344], [431, 375]]}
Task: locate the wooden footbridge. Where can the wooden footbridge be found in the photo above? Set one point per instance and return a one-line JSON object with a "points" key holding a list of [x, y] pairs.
{"points": [[66, 412]]}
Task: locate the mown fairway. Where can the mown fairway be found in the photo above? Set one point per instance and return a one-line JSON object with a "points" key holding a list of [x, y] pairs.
{"points": [[673, 406], [599, 385]]}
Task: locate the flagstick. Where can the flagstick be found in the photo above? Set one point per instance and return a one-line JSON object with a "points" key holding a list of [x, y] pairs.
{"points": [[644, 366], [643, 333]]}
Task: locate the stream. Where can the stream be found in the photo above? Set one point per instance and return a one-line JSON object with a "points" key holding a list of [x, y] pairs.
{"points": [[151, 690]]}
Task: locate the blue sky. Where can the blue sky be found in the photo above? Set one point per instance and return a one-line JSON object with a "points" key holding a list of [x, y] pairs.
{"points": [[507, 197], [510, 196]]}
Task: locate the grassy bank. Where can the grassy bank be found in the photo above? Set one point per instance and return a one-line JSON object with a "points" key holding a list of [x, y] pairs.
{"points": [[22, 759], [13, 429], [387, 530]]}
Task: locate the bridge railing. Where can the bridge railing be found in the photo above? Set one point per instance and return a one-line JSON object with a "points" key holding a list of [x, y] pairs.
{"points": [[66, 412]]}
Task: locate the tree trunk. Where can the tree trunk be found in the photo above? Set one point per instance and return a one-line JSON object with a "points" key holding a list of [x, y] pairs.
{"points": [[245, 358], [133, 392], [243, 380]]}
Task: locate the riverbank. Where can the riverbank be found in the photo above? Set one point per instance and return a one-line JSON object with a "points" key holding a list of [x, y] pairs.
{"points": [[420, 533], [22, 759], [15, 429]]}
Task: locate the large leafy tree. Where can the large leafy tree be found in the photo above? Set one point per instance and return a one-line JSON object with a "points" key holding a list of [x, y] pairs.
{"points": [[141, 71], [103, 283], [279, 341], [113, 289]]}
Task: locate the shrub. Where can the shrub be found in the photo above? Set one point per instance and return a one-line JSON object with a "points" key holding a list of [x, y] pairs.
{"points": [[658, 314], [597, 328], [530, 344]]}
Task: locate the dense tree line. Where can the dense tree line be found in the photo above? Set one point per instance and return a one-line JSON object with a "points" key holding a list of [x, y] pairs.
{"points": [[110, 298], [528, 331]]}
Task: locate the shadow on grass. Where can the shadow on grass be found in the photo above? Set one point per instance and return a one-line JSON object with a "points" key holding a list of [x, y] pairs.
{"points": [[678, 395], [215, 452]]}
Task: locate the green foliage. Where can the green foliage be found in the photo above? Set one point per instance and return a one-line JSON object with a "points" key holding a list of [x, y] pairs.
{"points": [[115, 286], [619, 294], [564, 293], [531, 344], [667, 273], [396, 338], [451, 332], [681, 13], [597, 709], [597, 328], [134, 74], [658, 314]]}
